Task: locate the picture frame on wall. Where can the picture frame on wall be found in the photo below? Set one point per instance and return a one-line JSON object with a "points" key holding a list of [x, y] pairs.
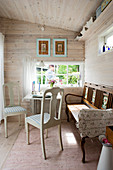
{"points": [[60, 47], [43, 47]]}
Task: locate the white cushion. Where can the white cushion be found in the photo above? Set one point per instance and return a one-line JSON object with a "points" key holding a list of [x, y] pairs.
{"points": [[14, 109], [36, 118]]}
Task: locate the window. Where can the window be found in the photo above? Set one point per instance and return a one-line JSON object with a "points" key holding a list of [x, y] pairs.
{"points": [[106, 40], [65, 74], [109, 41]]}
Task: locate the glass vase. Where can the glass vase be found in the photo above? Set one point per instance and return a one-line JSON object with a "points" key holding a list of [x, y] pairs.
{"points": [[51, 85]]}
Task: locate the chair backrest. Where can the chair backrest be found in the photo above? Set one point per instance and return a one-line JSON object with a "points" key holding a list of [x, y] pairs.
{"points": [[10, 91], [55, 105]]}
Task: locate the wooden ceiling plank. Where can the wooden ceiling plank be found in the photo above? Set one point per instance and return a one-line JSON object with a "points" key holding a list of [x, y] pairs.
{"points": [[18, 8], [74, 10], [36, 5], [65, 14], [22, 6], [25, 10], [84, 15], [3, 8], [29, 11], [2, 14]]}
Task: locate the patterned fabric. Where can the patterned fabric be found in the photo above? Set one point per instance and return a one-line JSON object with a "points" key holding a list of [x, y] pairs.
{"points": [[93, 96], [93, 122], [36, 118], [105, 100], [14, 109]]}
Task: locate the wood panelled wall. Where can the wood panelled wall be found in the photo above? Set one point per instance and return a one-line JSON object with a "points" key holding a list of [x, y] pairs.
{"points": [[20, 42], [99, 68]]}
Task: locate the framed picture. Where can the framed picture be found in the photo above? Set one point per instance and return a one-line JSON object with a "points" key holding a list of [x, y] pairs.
{"points": [[43, 47], [59, 47]]}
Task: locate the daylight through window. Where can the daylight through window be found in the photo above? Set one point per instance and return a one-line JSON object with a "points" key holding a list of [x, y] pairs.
{"points": [[66, 74]]}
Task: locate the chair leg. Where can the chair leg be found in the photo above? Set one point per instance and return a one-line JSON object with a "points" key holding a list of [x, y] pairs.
{"points": [[25, 115], [42, 142], [27, 132], [83, 150], [46, 133], [67, 113], [5, 125], [19, 120], [60, 137]]}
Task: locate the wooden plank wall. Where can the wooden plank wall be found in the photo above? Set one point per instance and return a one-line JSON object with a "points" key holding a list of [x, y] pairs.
{"points": [[99, 68], [20, 42]]}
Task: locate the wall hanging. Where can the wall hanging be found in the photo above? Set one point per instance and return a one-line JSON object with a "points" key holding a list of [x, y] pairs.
{"points": [[59, 47], [43, 47]]}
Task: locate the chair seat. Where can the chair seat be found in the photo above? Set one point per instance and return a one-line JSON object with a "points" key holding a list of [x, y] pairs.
{"points": [[14, 109], [36, 118]]}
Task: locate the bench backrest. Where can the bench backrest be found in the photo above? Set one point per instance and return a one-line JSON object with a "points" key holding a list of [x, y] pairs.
{"points": [[98, 96]]}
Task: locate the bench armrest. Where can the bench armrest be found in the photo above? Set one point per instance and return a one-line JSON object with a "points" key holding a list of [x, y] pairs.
{"points": [[69, 94], [93, 122]]}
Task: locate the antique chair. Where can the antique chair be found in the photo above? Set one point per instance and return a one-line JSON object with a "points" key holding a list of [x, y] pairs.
{"points": [[12, 105], [43, 120]]}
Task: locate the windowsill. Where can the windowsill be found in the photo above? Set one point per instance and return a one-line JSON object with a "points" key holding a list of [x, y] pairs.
{"points": [[106, 52]]}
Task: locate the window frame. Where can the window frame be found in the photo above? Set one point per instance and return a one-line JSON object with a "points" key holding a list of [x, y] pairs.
{"points": [[81, 70], [102, 39]]}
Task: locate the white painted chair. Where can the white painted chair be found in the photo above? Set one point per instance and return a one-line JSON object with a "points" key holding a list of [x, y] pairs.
{"points": [[47, 120], [12, 105]]}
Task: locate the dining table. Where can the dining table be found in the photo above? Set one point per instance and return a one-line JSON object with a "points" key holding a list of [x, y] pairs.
{"points": [[36, 99]]}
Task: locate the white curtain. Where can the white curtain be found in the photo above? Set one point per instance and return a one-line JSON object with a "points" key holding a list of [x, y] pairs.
{"points": [[1, 74], [29, 71]]}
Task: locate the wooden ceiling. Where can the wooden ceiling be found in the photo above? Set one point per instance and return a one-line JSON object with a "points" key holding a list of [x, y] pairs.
{"points": [[66, 14]]}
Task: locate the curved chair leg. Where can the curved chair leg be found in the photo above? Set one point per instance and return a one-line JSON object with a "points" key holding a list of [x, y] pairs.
{"points": [[42, 142], [67, 113], [5, 125], [27, 132], [60, 137], [83, 150]]}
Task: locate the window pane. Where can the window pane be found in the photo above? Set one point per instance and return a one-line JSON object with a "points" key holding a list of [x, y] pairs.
{"points": [[38, 78], [38, 70], [72, 79], [73, 68], [44, 78], [110, 41], [63, 74], [44, 70], [60, 69], [61, 79]]}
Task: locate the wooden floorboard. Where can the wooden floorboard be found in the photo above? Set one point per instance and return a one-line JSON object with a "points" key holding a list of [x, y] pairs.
{"points": [[16, 154], [7, 143]]}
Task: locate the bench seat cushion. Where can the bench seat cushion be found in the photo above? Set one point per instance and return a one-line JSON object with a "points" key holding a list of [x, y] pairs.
{"points": [[75, 109], [93, 122]]}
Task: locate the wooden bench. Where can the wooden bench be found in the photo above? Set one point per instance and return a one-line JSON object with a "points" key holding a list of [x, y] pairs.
{"points": [[95, 97]]}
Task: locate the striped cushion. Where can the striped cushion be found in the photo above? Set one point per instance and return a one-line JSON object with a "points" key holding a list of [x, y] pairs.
{"points": [[36, 118], [14, 109]]}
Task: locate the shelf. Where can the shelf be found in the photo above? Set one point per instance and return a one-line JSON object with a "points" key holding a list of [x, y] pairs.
{"points": [[106, 52], [99, 23]]}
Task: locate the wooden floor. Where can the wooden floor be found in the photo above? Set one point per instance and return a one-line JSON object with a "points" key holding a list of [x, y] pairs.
{"points": [[6, 144], [15, 154]]}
